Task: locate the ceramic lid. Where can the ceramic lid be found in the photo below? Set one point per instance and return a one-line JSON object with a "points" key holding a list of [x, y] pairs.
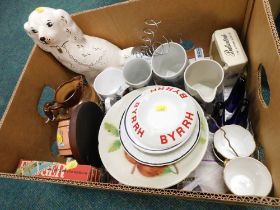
{"points": [[161, 118]]}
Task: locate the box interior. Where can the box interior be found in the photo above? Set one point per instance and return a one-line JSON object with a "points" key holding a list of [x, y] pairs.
{"points": [[23, 132]]}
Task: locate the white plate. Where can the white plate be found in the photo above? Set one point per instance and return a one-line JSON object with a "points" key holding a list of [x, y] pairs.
{"points": [[161, 118], [241, 140], [126, 171], [159, 159]]}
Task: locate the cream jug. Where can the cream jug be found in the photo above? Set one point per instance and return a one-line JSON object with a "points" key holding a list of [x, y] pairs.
{"points": [[203, 77]]}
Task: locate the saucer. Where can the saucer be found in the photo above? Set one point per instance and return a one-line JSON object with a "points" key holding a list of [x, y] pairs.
{"points": [[158, 159], [240, 139], [126, 170], [160, 118]]}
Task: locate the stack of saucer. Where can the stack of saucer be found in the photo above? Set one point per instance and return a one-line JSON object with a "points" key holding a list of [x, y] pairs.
{"points": [[160, 126]]}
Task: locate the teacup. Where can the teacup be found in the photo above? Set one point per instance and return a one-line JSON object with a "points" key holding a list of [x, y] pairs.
{"points": [[203, 78], [110, 86], [137, 73], [247, 176], [169, 62], [239, 143]]}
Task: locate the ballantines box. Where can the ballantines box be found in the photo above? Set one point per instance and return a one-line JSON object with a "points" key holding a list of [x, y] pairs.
{"points": [[24, 135]]}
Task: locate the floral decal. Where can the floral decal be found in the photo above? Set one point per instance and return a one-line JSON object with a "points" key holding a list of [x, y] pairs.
{"points": [[145, 170]]}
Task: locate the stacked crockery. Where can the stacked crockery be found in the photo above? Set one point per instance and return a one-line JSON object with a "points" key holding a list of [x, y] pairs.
{"points": [[160, 126]]}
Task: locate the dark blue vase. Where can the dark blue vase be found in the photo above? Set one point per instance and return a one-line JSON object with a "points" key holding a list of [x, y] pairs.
{"points": [[240, 116], [236, 95]]}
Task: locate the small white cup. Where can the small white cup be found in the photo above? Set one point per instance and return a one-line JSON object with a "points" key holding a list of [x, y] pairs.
{"points": [[247, 176], [110, 86], [137, 73], [169, 61], [203, 78]]}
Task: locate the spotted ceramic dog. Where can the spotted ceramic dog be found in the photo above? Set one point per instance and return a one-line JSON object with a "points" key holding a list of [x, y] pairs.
{"points": [[54, 31]]}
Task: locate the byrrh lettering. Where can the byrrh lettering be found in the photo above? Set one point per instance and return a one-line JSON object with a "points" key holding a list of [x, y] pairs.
{"points": [[186, 123], [135, 125], [179, 131], [179, 92], [189, 115], [172, 135], [140, 132], [134, 118], [163, 139]]}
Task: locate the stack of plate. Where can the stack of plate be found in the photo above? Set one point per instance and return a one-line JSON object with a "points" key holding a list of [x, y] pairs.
{"points": [[153, 137], [160, 126]]}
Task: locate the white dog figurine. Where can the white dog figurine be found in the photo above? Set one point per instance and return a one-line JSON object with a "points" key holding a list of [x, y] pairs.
{"points": [[54, 31]]}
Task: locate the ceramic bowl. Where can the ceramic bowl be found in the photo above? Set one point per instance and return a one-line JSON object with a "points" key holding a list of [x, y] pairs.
{"points": [[247, 176], [241, 141], [161, 118]]}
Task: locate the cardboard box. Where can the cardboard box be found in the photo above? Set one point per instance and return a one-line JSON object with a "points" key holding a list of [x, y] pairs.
{"points": [[24, 135]]}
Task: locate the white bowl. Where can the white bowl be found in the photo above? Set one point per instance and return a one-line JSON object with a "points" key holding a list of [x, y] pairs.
{"points": [[240, 139], [247, 176], [161, 118]]}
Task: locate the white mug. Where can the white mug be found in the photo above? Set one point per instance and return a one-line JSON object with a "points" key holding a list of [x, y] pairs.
{"points": [[203, 77], [169, 61], [110, 86], [137, 73]]}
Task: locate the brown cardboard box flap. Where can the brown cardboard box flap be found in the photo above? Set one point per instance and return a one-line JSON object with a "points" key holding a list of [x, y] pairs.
{"points": [[263, 48]]}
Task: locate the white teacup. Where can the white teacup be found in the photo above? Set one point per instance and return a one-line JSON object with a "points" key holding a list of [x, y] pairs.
{"points": [[137, 73], [169, 62], [203, 78], [247, 176], [240, 142], [110, 86]]}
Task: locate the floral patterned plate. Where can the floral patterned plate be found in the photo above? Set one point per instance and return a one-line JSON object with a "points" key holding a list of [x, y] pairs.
{"points": [[126, 170]]}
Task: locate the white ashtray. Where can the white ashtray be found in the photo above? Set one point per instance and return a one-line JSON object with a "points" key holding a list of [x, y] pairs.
{"points": [[161, 118]]}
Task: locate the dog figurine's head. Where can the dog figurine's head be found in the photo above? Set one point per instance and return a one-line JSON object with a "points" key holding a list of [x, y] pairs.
{"points": [[50, 27]]}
